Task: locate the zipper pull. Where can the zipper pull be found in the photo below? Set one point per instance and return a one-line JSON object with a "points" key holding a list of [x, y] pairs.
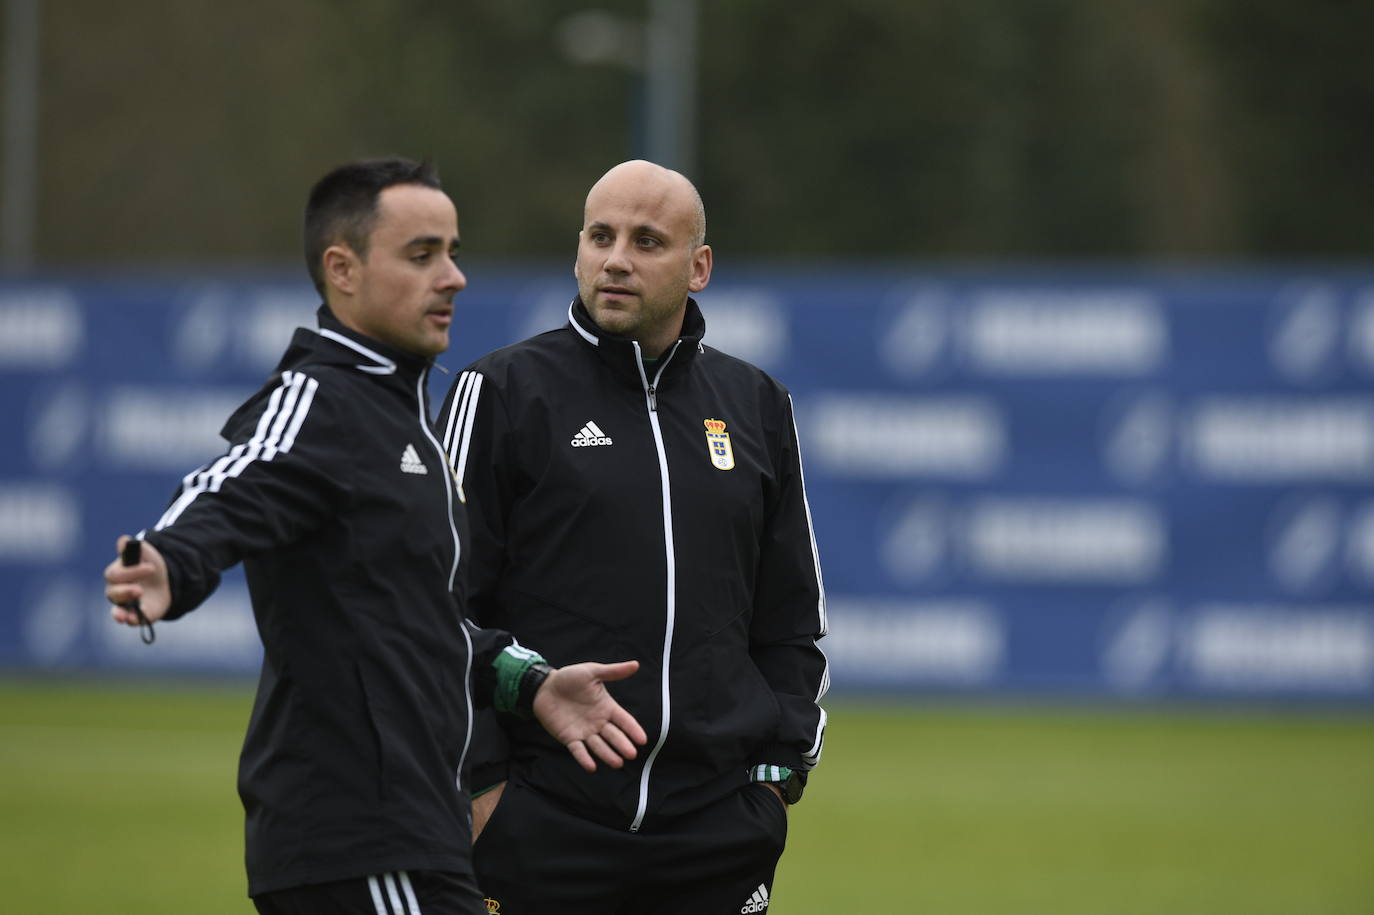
{"points": [[653, 400]]}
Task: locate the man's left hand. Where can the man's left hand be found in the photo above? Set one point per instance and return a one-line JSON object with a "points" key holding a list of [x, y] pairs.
{"points": [[574, 706]]}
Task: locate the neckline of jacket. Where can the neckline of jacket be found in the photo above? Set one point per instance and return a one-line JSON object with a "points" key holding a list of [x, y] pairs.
{"points": [[619, 353], [369, 354]]}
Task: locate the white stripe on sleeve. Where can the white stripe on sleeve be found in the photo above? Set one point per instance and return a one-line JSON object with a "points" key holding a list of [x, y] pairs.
{"points": [[392, 894], [810, 529], [377, 903], [298, 418], [454, 408], [467, 419], [812, 757], [275, 434], [266, 449], [412, 904]]}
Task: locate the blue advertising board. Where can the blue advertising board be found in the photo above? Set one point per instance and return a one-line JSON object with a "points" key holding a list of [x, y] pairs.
{"points": [[1114, 482]]}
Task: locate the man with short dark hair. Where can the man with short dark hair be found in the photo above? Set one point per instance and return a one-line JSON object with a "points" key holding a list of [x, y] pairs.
{"points": [[633, 490], [341, 504]]}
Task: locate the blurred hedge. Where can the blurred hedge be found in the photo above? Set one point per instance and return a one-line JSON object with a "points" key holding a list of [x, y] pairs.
{"points": [[1215, 129]]}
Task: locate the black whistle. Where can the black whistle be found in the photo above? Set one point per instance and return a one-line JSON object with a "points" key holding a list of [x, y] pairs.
{"points": [[132, 555]]}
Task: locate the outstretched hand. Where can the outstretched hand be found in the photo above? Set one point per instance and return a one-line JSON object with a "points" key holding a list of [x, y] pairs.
{"points": [[146, 583], [574, 706]]}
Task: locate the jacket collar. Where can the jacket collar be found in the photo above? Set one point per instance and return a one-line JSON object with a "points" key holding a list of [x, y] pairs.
{"points": [[623, 355], [367, 354]]}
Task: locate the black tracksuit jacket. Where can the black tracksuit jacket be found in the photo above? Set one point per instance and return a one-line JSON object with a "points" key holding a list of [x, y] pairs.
{"points": [[336, 496], [605, 527]]}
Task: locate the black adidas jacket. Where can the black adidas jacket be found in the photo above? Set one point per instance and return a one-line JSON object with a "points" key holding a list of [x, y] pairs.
{"points": [[337, 498], [606, 523]]}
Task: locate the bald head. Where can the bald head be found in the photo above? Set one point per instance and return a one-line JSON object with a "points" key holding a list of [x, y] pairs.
{"points": [[642, 252], [656, 188]]}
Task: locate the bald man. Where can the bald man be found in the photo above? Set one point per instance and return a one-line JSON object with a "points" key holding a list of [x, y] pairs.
{"points": [[633, 492]]}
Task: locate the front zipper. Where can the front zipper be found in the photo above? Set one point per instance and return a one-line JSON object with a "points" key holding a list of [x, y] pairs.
{"points": [[651, 401], [447, 475]]}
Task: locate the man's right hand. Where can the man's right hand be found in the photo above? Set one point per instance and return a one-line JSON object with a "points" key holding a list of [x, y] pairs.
{"points": [[146, 583], [482, 808]]}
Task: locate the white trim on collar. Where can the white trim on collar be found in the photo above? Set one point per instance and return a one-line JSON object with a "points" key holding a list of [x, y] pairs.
{"points": [[590, 338], [387, 367]]}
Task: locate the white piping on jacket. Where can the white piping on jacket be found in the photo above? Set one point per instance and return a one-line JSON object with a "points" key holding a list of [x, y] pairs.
{"points": [[450, 486], [384, 367], [672, 577]]}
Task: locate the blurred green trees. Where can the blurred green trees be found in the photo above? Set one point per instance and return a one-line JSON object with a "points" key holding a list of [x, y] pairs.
{"points": [[1204, 129]]}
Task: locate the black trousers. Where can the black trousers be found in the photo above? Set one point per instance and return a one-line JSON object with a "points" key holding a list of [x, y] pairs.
{"points": [[396, 893], [536, 858]]}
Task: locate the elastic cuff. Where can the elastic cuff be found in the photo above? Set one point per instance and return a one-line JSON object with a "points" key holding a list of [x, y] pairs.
{"points": [[534, 678], [512, 665], [767, 773]]}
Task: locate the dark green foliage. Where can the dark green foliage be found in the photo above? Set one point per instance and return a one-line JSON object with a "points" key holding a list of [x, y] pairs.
{"points": [[871, 129]]}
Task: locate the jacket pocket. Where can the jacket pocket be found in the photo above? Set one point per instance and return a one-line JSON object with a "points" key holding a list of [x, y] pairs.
{"points": [[732, 709]]}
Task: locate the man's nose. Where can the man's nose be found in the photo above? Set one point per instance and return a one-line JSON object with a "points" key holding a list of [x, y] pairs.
{"points": [[453, 279], [618, 258]]}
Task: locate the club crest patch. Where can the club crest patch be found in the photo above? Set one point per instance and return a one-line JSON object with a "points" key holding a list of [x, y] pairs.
{"points": [[718, 444]]}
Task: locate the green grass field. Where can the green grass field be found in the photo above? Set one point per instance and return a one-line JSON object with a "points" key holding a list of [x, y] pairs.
{"points": [[120, 799]]}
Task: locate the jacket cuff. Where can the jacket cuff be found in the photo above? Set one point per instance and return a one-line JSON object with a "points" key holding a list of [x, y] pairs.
{"points": [[519, 674], [766, 773], [188, 588]]}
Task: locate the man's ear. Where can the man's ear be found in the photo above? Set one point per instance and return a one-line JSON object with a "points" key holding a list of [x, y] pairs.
{"points": [[701, 269], [340, 269]]}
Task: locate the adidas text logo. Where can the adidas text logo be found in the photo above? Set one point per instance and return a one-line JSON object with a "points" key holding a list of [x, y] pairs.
{"points": [[590, 435], [410, 461], [757, 902]]}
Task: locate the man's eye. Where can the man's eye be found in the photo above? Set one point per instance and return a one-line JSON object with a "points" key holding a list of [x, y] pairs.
{"points": [[648, 241], [420, 258]]}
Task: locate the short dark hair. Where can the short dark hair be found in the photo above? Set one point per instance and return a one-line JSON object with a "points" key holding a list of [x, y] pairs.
{"points": [[343, 205]]}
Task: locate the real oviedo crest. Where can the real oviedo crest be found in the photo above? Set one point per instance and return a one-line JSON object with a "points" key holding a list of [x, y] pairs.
{"points": [[718, 444]]}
